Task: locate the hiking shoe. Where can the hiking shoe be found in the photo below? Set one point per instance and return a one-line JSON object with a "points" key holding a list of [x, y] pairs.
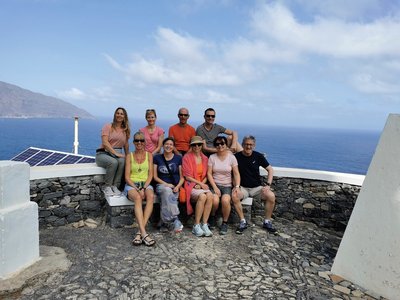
{"points": [[212, 222], [206, 230], [197, 230], [108, 192], [268, 226], [178, 226], [242, 226], [224, 229], [116, 191]]}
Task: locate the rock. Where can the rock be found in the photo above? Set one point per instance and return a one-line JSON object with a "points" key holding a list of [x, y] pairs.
{"points": [[342, 289], [336, 278]]}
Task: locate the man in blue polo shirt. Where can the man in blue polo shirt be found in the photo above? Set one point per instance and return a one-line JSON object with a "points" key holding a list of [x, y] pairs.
{"points": [[249, 162]]}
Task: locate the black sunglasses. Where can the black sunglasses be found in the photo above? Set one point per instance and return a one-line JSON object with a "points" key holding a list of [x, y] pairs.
{"points": [[183, 115], [138, 141], [219, 144], [198, 145], [210, 116]]}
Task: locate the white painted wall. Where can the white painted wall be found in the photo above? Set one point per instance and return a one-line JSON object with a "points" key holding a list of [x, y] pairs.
{"points": [[369, 254], [19, 226]]}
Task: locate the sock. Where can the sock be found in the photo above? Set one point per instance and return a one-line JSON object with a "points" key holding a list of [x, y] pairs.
{"points": [[267, 221], [243, 221]]}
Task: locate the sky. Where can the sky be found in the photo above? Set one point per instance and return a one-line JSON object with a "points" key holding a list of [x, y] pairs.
{"points": [[298, 63]]}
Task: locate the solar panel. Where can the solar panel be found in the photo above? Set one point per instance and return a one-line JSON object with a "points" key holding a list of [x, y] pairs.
{"points": [[86, 160], [52, 159], [37, 158], [25, 155], [70, 159], [44, 157]]}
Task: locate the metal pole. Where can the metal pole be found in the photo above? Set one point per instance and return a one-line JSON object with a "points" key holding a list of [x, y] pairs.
{"points": [[76, 143]]}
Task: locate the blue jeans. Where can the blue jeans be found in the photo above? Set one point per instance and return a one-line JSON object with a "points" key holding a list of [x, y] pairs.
{"points": [[169, 203], [114, 168]]}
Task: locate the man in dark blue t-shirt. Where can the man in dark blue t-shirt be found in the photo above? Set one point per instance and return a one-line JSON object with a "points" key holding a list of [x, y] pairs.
{"points": [[249, 162]]}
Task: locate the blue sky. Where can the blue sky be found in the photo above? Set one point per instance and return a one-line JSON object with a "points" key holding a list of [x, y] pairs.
{"points": [[299, 63]]}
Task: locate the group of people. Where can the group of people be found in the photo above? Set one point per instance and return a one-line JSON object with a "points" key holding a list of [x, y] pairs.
{"points": [[207, 166]]}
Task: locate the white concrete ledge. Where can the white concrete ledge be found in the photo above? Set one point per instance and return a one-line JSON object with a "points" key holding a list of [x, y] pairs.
{"points": [[353, 179], [93, 169], [65, 171]]}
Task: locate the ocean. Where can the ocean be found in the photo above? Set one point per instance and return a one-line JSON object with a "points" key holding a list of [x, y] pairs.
{"points": [[347, 151]]}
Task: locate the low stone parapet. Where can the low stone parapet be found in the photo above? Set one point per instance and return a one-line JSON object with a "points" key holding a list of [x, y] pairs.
{"points": [[324, 198]]}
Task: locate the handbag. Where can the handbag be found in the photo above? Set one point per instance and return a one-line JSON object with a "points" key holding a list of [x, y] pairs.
{"points": [[182, 191]]}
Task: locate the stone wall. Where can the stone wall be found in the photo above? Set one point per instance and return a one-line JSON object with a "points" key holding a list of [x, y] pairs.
{"points": [[70, 199], [67, 199], [327, 204]]}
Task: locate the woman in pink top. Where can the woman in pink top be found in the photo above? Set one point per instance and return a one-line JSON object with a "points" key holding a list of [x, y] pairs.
{"points": [[153, 134], [111, 153], [194, 167], [221, 166]]}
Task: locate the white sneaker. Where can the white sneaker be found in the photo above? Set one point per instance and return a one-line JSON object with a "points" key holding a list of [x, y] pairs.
{"points": [[206, 230], [116, 191], [108, 192]]}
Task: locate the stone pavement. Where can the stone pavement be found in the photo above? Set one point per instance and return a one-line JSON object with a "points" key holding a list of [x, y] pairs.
{"points": [[255, 265]]}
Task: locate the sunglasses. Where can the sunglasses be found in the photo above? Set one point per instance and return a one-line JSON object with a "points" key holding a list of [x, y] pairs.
{"points": [[219, 144], [183, 115], [138, 141], [210, 116], [197, 145]]}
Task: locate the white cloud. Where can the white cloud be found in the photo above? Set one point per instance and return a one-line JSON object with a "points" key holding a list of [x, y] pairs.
{"points": [[180, 47], [220, 98], [369, 84], [188, 66], [329, 36], [72, 93], [103, 94]]}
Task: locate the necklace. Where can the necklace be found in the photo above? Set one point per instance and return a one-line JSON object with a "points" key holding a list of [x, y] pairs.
{"points": [[140, 161]]}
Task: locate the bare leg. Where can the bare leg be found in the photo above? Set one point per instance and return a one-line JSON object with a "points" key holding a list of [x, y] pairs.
{"points": [[149, 195], [207, 207], [134, 195], [237, 204], [269, 197], [201, 200], [226, 207]]}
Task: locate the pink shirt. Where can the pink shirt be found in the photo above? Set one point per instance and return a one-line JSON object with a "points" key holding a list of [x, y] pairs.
{"points": [[152, 138], [222, 169], [116, 137]]}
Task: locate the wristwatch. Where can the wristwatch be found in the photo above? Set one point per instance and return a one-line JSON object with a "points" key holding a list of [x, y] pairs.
{"points": [[268, 184]]}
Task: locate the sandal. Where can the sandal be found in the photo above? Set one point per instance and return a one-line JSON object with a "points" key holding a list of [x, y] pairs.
{"points": [[148, 241], [137, 241]]}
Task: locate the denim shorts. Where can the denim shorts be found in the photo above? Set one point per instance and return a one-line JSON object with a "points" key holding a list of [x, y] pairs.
{"points": [[225, 190], [138, 185]]}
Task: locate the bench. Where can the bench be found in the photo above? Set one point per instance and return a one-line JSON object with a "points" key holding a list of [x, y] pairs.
{"points": [[120, 211]]}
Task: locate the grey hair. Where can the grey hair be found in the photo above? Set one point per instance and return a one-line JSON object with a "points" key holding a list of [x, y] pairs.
{"points": [[248, 137]]}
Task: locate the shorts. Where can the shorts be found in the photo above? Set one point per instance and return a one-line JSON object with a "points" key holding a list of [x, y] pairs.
{"points": [[254, 192], [138, 185], [225, 190], [196, 193]]}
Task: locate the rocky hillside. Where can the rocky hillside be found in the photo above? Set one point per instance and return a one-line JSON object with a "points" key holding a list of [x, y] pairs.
{"points": [[16, 102]]}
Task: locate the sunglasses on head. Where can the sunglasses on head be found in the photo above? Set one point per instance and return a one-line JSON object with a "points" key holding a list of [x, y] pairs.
{"points": [[138, 140], [219, 144], [183, 115], [210, 116]]}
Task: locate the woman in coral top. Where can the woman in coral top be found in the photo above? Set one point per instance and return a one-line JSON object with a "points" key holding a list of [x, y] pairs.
{"points": [[194, 167], [153, 134], [138, 176], [111, 153]]}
